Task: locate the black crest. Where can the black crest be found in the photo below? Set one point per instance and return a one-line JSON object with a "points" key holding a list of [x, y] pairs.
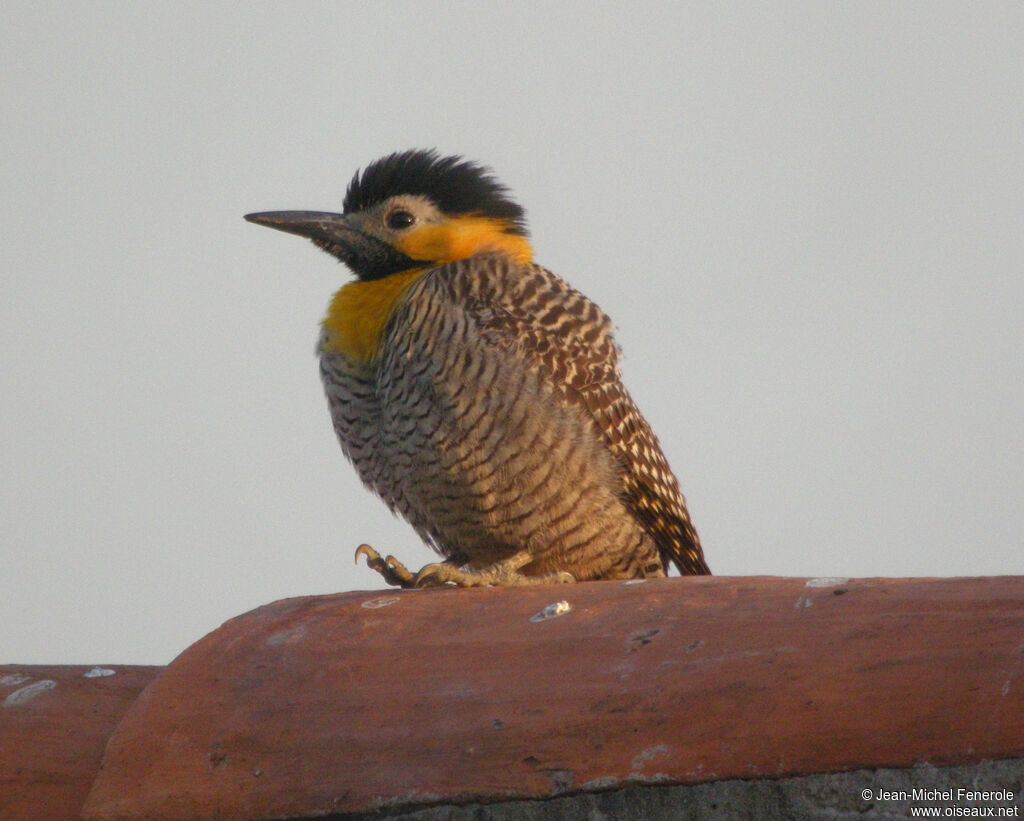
{"points": [[456, 185]]}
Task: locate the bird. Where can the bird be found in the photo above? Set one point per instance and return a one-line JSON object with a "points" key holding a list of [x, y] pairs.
{"points": [[478, 394]]}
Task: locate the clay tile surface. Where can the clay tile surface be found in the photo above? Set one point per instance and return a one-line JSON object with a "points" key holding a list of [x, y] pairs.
{"points": [[366, 701], [54, 724]]}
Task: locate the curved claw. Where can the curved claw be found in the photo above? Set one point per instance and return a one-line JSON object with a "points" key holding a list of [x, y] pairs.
{"points": [[393, 571], [431, 575], [371, 554]]}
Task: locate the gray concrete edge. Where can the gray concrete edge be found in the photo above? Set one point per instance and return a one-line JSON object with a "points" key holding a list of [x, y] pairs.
{"points": [[824, 797]]}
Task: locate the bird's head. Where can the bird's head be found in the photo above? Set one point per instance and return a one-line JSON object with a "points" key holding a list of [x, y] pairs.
{"points": [[411, 210]]}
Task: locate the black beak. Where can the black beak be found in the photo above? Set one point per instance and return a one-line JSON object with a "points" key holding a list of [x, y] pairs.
{"points": [[313, 224], [368, 256]]}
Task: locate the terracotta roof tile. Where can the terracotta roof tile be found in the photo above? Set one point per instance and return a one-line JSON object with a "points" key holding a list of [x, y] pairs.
{"points": [[54, 724], [360, 701]]}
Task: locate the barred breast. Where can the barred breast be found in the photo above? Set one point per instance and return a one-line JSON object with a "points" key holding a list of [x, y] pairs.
{"points": [[495, 420]]}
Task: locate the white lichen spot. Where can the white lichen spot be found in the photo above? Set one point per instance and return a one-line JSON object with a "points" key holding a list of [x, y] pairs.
{"points": [[803, 601], [552, 611], [648, 754], [376, 604], [404, 799], [98, 672], [14, 680], [1006, 688], [605, 783], [657, 778], [827, 581], [287, 636], [26, 694], [634, 581]]}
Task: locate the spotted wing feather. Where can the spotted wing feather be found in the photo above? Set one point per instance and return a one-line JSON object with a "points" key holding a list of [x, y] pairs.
{"points": [[569, 340]]}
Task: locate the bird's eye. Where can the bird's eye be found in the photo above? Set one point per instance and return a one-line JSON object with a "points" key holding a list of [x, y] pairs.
{"points": [[400, 219]]}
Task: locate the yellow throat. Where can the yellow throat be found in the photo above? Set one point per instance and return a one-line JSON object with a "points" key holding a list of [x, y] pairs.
{"points": [[359, 312]]}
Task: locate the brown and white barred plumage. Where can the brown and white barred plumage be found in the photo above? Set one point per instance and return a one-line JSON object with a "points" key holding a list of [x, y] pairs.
{"points": [[495, 419]]}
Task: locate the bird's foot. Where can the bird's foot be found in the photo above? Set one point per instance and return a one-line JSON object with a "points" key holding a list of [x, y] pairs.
{"points": [[443, 574], [394, 572], [500, 574]]}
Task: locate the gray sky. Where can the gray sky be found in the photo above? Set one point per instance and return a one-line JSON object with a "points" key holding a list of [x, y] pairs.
{"points": [[807, 221]]}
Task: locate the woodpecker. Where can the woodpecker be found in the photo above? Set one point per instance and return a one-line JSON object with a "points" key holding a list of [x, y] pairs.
{"points": [[479, 395]]}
